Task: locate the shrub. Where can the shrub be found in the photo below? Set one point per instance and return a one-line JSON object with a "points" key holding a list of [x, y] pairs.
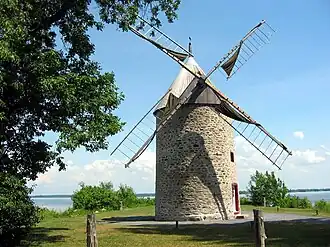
{"points": [[45, 213], [295, 202], [104, 196], [322, 205], [304, 203], [96, 197], [127, 195], [146, 201], [17, 211], [245, 201]]}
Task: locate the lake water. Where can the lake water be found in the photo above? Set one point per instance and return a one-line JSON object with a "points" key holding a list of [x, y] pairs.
{"points": [[63, 203], [314, 196], [60, 204]]}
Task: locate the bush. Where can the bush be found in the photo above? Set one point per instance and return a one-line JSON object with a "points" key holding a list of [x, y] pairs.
{"points": [[304, 203], [45, 213], [146, 201], [127, 195], [295, 202], [96, 197], [17, 211], [245, 201], [322, 205], [104, 196]]}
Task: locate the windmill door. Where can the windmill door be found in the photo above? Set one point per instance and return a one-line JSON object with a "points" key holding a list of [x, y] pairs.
{"points": [[235, 194]]}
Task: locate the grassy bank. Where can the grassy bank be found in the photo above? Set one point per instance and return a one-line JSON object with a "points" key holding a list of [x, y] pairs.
{"points": [[69, 230], [300, 211]]}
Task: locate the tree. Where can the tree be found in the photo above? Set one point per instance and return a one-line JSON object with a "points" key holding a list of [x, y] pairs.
{"points": [[267, 186], [48, 89], [17, 211]]}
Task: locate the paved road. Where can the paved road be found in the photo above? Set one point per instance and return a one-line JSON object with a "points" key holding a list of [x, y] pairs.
{"points": [[148, 220]]}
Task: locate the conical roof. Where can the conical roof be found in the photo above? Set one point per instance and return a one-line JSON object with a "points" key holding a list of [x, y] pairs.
{"points": [[181, 82], [205, 97]]}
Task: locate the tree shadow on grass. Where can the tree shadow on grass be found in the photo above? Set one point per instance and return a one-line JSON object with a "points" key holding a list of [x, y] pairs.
{"points": [[281, 233], [41, 235]]}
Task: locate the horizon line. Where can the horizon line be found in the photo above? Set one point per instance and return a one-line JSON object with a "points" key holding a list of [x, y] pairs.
{"points": [[153, 193]]}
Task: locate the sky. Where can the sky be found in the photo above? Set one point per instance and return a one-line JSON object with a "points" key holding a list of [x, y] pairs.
{"points": [[285, 87]]}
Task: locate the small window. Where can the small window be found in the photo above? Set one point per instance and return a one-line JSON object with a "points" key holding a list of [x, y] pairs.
{"points": [[232, 157]]}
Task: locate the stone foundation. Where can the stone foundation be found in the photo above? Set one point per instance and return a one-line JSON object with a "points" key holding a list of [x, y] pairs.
{"points": [[194, 171]]}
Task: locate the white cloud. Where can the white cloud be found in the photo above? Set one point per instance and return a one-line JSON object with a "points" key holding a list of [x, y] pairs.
{"points": [[307, 157], [299, 134], [305, 168], [140, 175]]}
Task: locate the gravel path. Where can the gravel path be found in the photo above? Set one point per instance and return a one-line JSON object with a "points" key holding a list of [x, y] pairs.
{"points": [[270, 217]]}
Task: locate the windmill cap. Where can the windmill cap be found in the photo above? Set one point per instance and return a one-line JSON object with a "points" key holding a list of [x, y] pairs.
{"points": [[181, 82]]}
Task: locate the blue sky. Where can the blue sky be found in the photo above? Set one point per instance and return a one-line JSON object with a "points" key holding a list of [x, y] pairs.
{"points": [[285, 86]]}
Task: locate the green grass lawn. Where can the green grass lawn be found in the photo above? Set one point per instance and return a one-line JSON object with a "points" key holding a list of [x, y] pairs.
{"points": [[70, 231], [308, 211]]}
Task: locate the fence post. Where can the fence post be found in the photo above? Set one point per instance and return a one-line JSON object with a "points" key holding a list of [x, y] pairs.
{"points": [[259, 225], [91, 231]]}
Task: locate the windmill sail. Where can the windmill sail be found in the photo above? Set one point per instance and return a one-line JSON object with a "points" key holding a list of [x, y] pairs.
{"points": [[159, 39], [274, 150], [228, 66], [138, 138], [252, 131], [181, 56], [167, 113], [251, 43], [142, 134]]}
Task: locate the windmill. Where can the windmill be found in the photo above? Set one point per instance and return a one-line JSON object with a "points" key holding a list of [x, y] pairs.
{"points": [[194, 131]]}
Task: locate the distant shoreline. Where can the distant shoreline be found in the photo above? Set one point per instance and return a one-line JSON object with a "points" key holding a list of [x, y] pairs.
{"points": [[299, 190], [153, 194], [69, 196]]}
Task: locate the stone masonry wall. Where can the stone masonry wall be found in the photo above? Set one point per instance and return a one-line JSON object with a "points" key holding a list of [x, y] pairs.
{"points": [[194, 172]]}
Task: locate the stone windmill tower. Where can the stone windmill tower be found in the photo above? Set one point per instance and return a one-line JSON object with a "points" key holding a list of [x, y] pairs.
{"points": [[196, 176]]}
